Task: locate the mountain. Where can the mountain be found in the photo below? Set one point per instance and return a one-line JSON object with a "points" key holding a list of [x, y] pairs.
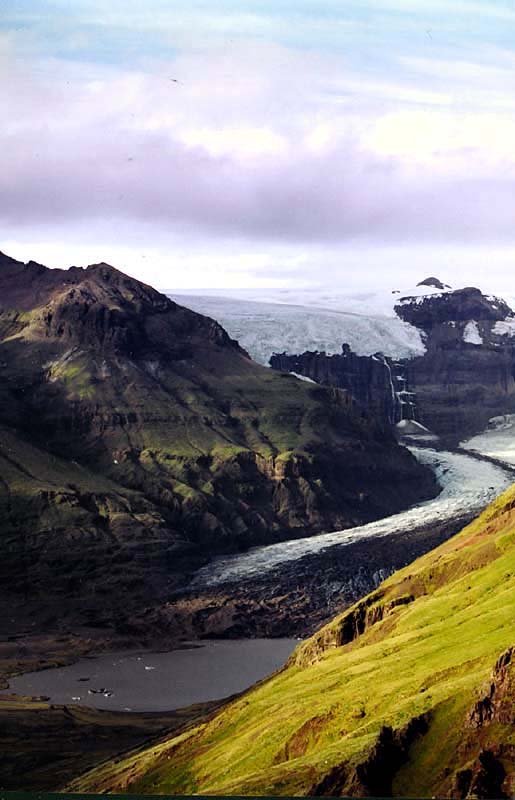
{"points": [[137, 439], [410, 692], [464, 377]]}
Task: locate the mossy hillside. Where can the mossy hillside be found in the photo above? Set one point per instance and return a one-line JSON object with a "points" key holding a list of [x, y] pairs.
{"points": [[208, 451], [255, 453], [68, 531], [432, 655], [76, 378]]}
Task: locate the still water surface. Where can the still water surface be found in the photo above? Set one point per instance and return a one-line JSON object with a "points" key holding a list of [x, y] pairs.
{"points": [[150, 681]]}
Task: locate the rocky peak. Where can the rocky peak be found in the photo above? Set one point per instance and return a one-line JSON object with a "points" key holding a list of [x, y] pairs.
{"points": [[436, 283], [461, 305], [99, 306]]}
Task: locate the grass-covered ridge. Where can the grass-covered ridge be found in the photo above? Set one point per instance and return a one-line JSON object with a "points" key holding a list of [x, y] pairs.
{"points": [[409, 677]]}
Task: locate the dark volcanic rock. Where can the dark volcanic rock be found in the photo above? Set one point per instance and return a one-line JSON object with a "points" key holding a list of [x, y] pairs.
{"points": [[462, 380], [436, 283], [486, 775], [462, 305], [375, 382], [496, 704]]}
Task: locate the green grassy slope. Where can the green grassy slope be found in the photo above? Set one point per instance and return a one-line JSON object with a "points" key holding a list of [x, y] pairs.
{"points": [[409, 692]]}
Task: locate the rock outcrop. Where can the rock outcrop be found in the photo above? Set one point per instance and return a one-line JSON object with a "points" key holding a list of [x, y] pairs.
{"points": [[465, 377], [377, 383], [435, 283], [461, 305], [467, 373]]}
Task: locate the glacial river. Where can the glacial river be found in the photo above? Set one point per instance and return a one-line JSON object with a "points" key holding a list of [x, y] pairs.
{"points": [[211, 670], [468, 485]]}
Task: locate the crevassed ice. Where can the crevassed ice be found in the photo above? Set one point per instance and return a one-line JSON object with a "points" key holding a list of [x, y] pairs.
{"points": [[468, 485], [265, 328]]}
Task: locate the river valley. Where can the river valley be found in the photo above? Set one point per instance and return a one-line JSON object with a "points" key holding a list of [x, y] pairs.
{"points": [[292, 588], [246, 612], [260, 600]]}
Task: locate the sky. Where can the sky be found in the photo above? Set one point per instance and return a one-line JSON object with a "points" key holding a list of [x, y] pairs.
{"points": [[261, 144]]}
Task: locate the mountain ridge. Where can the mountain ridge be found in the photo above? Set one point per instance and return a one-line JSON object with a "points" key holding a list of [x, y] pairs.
{"points": [[190, 446]]}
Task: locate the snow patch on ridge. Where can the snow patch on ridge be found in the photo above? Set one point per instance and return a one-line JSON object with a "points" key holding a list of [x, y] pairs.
{"points": [[302, 377], [471, 333], [505, 327], [419, 299], [412, 429]]}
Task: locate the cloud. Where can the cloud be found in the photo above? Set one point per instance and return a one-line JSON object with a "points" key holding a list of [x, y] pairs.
{"points": [[224, 143], [228, 149]]}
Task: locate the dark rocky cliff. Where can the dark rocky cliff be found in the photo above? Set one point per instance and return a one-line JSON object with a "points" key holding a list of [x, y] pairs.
{"points": [[377, 383], [467, 374], [465, 377]]}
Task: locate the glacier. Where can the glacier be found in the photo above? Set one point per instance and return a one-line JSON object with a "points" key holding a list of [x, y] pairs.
{"points": [[468, 485], [263, 327]]}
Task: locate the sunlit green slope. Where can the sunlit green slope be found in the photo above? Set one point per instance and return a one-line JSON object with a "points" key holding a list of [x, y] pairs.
{"points": [[409, 692]]}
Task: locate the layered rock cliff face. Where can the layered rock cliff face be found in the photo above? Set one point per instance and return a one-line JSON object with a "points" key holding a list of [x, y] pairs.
{"points": [[377, 383], [137, 438], [465, 377]]}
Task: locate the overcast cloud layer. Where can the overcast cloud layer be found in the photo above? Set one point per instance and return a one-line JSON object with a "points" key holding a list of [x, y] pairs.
{"points": [[261, 143]]}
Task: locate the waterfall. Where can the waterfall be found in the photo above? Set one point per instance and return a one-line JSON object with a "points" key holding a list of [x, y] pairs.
{"points": [[405, 398], [395, 399], [402, 400]]}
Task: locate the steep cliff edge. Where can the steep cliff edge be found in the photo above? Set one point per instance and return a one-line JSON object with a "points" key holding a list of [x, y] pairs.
{"points": [[465, 377], [408, 693], [467, 374], [137, 438], [377, 383]]}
